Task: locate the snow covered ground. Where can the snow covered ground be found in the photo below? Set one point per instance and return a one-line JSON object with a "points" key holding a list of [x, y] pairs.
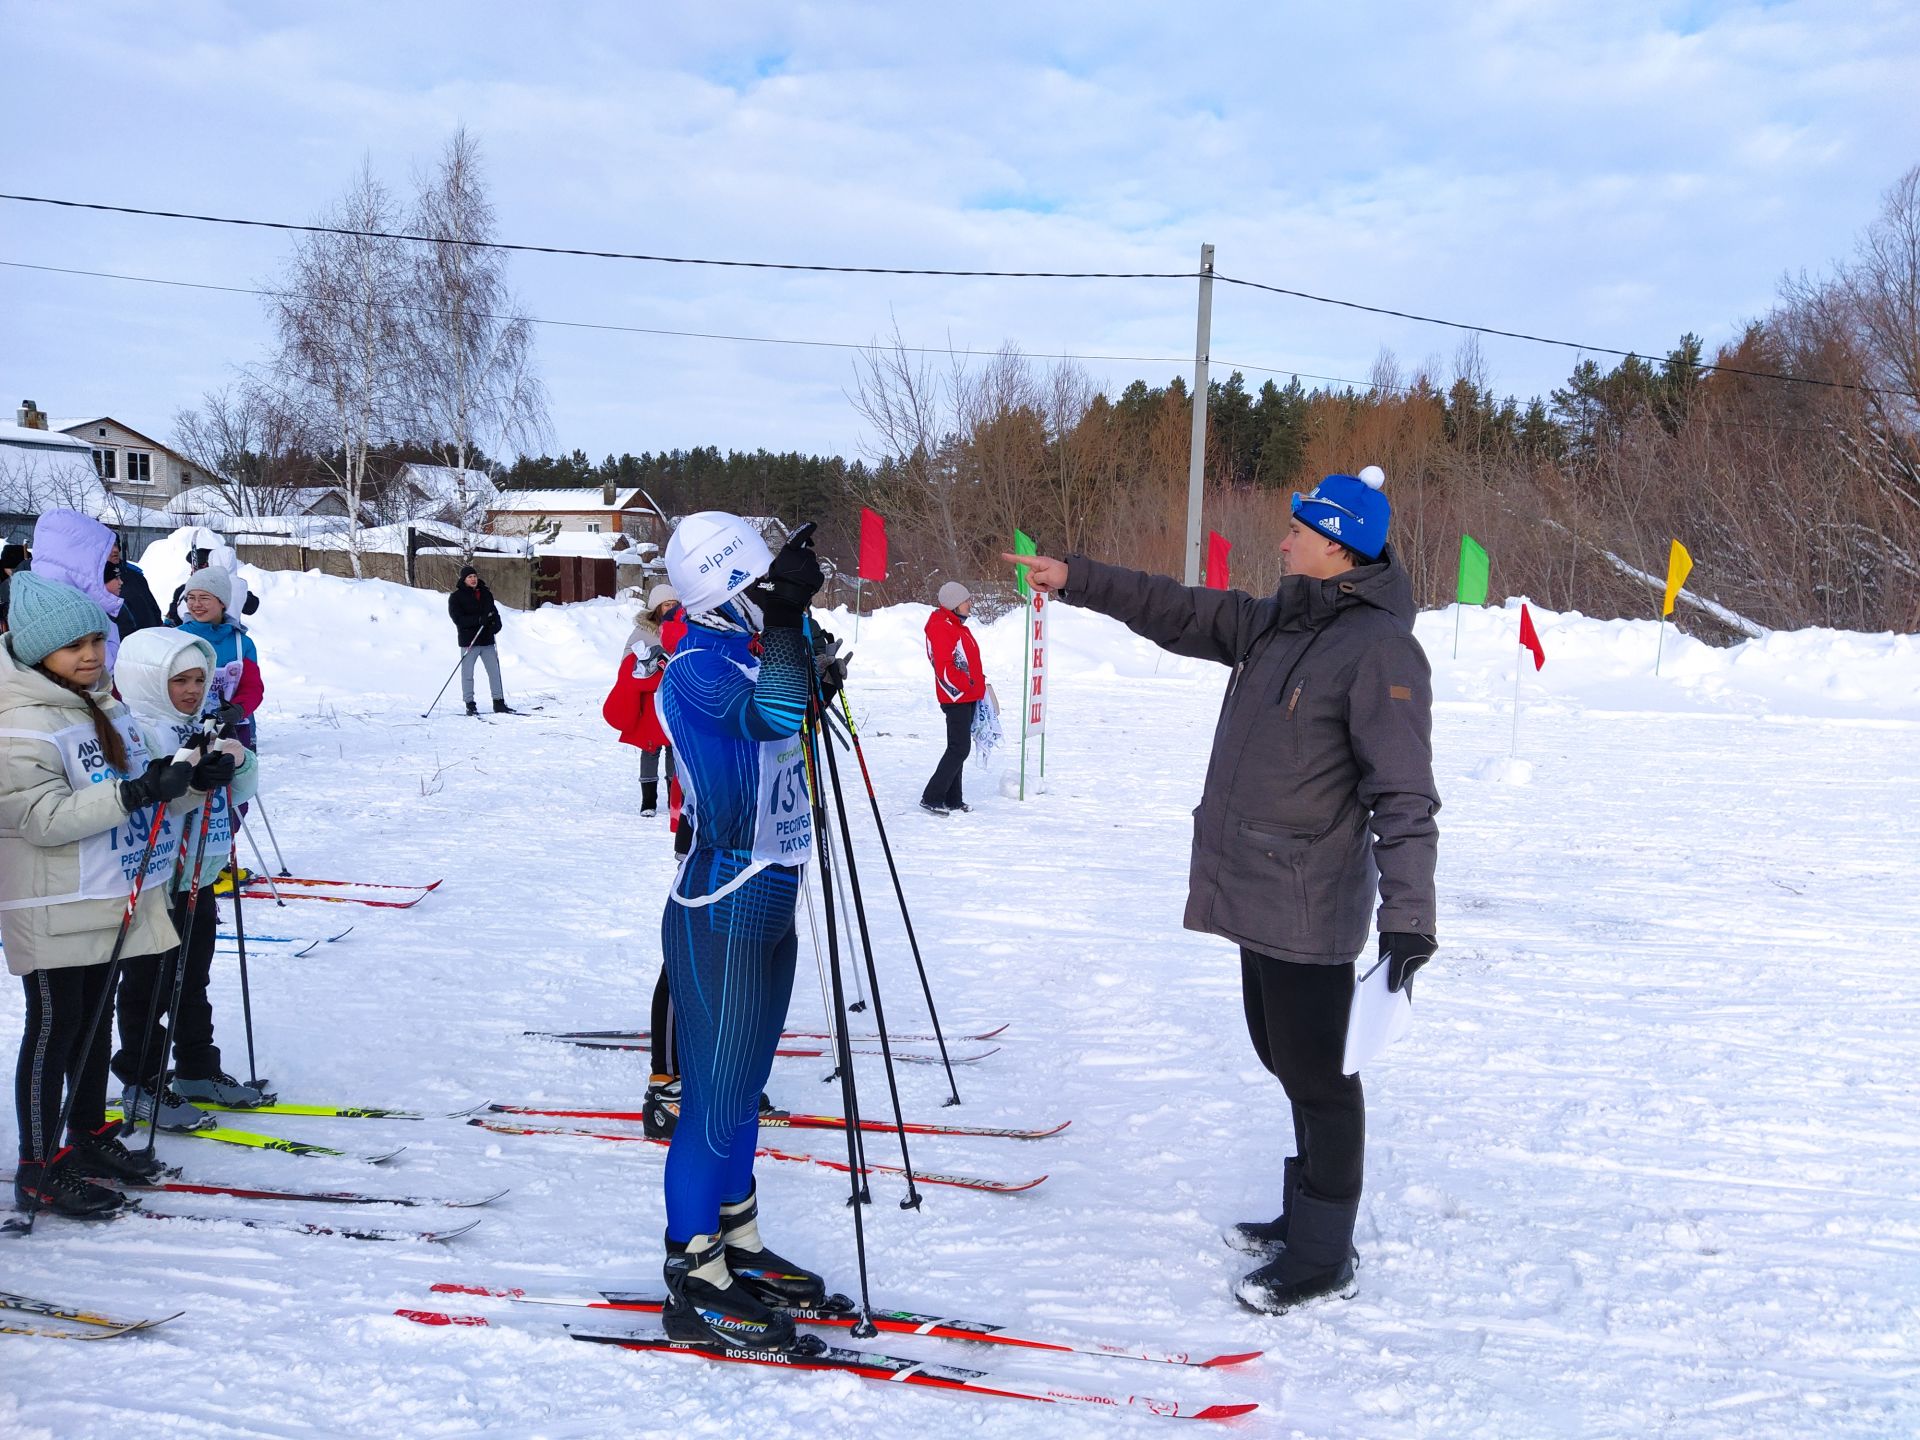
{"points": [[1649, 1164]]}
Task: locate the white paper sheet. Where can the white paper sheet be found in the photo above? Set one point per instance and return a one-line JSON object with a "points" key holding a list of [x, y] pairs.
{"points": [[1378, 1018]]}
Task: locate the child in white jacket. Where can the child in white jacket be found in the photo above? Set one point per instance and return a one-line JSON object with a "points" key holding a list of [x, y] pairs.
{"points": [[79, 787], [163, 675]]}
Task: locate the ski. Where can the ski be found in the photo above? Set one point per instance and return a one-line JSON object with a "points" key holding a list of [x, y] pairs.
{"points": [[384, 897], [316, 1197], [893, 1322], [255, 1141], [335, 1112], [315, 882], [286, 939], [783, 1121], [305, 949], [310, 1227], [871, 1038], [925, 1177], [790, 1052], [111, 1332], [871, 1365], [48, 1310]]}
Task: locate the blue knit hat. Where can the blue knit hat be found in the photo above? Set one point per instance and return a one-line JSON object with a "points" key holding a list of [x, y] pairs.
{"points": [[44, 615], [1350, 509]]}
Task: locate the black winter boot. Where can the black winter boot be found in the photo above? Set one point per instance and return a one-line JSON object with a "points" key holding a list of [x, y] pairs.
{"points": [[58, 1187], [1317, 1260], [707, 1306], [772, 1279], [101, 1153], [649, 797], [1265, 1239], [500, 707], [472, 709]]}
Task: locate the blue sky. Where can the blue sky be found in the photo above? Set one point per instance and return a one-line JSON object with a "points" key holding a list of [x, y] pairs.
{"points": [[1616, 174]]}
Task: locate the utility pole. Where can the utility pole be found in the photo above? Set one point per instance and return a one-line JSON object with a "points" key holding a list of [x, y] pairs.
{"points": [[1197, 456]]}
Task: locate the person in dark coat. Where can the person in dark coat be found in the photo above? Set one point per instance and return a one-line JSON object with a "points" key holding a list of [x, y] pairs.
{"points": [[139, 610], [476, 624], [1320, 786]]}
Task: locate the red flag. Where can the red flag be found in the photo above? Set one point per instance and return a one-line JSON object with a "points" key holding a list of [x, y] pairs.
{"points": [[1216, 570], [1530, 638], [873, 545]]}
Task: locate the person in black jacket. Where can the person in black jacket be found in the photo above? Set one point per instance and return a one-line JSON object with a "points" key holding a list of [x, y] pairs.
{"points": [[476, 623], [139, 610]]}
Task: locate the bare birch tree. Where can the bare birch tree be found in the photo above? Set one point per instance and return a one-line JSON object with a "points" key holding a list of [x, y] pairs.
{"points": [[343, 315], [476, 392], [250, 444]]}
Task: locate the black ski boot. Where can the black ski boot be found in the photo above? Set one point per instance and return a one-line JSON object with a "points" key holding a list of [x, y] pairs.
{"points": [[707, 1306], [771, 1278], [1265, 1239], [660, 1110], [472, 709], [58, 1187], [1317, 1260], [100, 1153], [500, 707]]}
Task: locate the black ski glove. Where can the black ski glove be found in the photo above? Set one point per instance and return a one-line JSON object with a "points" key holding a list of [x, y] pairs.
{"points": [[1405, 953], [787, 589], [165, 780], [215, 771], [829, 664], [228, 717]]}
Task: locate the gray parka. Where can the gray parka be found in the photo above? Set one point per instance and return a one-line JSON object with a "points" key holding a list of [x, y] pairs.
{"points": [[1325, 735]]}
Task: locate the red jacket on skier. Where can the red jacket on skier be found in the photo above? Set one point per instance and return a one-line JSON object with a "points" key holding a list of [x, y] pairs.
{"points": [[958, 675]]}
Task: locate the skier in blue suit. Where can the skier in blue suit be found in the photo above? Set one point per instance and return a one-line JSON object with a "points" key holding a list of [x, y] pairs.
{"points": [[733, 700]]}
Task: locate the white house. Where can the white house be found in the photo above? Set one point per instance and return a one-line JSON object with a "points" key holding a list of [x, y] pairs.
{"points": [[42, 469], [599, 510], [129, 463]]}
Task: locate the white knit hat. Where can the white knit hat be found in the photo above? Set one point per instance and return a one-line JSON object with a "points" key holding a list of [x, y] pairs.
{"points": [[953, 595], [712, 557]]}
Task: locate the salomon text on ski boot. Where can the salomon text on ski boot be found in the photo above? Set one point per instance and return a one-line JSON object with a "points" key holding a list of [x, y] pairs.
{"points": [[707, 1306]]}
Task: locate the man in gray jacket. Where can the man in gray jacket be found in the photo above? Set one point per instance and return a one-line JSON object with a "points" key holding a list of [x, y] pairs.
{"points": [[1320, 790]]}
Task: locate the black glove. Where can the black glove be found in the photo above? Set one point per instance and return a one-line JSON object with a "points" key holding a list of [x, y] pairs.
{"points": [[787, 589], [1405, 953], [215, 771], [829, 665], [165, 780], [228, 717]]}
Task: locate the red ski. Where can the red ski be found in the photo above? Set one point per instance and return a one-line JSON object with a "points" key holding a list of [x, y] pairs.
{"points": [[805, 1122], [924, 1177]]}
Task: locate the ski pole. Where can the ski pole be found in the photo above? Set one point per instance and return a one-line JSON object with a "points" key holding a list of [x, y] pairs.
{"points": [[450, 674], [179, 975], [859, 989], [185, 754], [886, 848], [858, 1196], [267, 820], [912, 1202], [278, 898], [240, 933], [161, 979]]}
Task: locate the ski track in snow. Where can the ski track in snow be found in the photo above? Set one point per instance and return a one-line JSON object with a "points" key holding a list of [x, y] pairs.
{"points": [[1648, 1165]]}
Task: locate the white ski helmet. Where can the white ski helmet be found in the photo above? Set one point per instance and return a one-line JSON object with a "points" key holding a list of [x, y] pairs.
{"points": [[712, 557]]}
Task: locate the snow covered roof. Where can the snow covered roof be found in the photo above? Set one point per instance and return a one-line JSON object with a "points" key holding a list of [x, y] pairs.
{"points": [[218, 500], [582, 501], [592, 545], [449, 484], [71, 423], [28, 439]]}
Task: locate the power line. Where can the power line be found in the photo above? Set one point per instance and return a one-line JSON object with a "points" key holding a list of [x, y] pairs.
{"points": [[712, 335], [504, 245]]}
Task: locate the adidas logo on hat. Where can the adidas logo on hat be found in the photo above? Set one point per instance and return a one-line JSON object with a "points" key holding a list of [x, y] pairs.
{"points": [[738, 577]]}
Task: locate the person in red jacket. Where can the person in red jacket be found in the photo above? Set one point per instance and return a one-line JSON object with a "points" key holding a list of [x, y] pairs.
{"points": [[959, 684]]}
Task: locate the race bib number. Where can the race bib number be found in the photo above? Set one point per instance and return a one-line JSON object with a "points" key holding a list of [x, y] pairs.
{"points": [[109, 861], [783, 825]]}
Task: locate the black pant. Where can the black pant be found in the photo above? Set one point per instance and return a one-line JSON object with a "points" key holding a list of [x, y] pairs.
{"points": [[58, 1055], [195, 1056], [944, 787], [1297, 1016], [666, 1055]]}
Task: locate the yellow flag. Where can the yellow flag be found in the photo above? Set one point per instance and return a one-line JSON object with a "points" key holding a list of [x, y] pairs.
{"points": [[1679, 566]]}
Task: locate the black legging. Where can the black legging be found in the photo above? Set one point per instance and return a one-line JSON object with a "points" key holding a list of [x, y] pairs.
{"points": [[666, 1059], [944, 787], [55, 1057], [1297, 1018], [195, 1055]]}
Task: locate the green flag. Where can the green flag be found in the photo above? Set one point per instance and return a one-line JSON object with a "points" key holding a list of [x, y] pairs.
{"points": [[1473, 572], [1022, 545]]}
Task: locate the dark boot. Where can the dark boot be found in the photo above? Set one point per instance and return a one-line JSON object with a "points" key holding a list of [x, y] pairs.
{"points": [[771, 1279], [1265, 1239], [1317, 1260], [472, 709], [100, 1153], [649, 797], [500, 707], [58, 1187], [707, 1306]]}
